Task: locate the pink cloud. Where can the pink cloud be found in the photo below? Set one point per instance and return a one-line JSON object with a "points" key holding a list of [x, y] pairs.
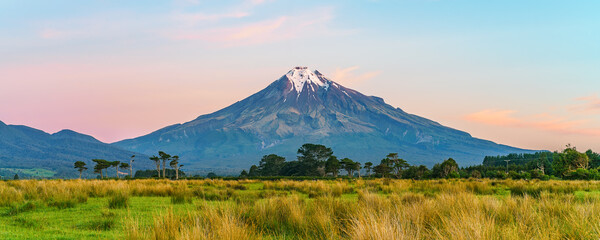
{"points": [[544, 122], [257, 2], [305, 25], [191, 19], [588, 104], [50, 33], [347, 75]]}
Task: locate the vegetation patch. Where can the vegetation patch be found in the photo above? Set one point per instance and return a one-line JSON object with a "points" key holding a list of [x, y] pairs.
{"points": [[309, 209], [14, 210], [118, 200]]}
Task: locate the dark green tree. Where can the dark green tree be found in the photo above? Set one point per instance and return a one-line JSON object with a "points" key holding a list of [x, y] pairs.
{"points": [[244, 174], [131, 160], [476, 174], [356, 167], [253, 171], [101, 164], [16, 177], [397, 164], [312, 158], [175, 165], [383, 169], [576, 159], [115, 164], [125, 167], [211, 175], [164, 157], [156, 161], [568, 161], [594, 158], [416, 172], [291, 168], [153, 174], [332, 166], [368, 166], [270, 165], [80, 165], [448, 168], [350, 166]]}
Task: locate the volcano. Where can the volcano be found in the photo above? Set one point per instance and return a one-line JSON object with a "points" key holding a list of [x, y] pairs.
{"points": [[304, 106]]}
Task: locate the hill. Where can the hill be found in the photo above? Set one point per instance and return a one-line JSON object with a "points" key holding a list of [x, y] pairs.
{"points": [[24, 148]]}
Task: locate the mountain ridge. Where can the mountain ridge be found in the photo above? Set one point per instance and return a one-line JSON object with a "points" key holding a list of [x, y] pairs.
{"points": [[305, 106], [23, 147]]}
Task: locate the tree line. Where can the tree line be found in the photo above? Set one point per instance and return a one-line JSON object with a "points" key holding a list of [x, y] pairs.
{"points": [[162, 157], [315, 160], [102, 164], [318, 161]]}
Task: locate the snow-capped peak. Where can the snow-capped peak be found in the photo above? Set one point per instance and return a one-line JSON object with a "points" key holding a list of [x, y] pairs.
{"points": [[299, 76]]}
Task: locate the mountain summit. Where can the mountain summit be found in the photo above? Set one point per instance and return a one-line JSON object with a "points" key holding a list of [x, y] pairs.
{"points": [[304, 106], [301, 76]]}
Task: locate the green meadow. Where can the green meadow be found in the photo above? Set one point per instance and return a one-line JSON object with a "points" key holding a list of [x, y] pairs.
{"points": [[291, 209]]}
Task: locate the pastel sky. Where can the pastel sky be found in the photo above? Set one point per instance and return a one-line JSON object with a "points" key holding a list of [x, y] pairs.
{"points": [[522, 73]]}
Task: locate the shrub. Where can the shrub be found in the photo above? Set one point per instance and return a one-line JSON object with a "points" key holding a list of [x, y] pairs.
{"points": [[63, 203], [102, 224], [118, 200], [479, 188], [522, 190], [12, 211], [409, 198], [27, 223], [181, 197]]}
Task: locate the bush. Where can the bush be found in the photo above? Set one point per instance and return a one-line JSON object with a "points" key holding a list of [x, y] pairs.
{"points": [[211, 194], [181, 197], [522, 190], [104, 223], [536, 174], [12, 211], [63, 203], [118, 200], [453, 175]]}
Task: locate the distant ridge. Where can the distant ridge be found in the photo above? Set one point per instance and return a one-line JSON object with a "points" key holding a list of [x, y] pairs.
{"points": [[24, 147], [305, 106]]}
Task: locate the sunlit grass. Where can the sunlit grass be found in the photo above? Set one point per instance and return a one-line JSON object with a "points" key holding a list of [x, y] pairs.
{"points": [[286, 209]]}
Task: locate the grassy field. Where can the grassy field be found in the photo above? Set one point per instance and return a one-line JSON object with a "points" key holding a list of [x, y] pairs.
{"points": [[335, 209], [8, 173]]}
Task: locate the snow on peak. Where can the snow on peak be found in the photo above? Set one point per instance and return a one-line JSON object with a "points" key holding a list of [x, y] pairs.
{"points": [[301, 75]]}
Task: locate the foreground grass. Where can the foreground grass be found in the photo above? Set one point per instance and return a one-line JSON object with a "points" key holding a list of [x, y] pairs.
{"points": [[340, 209]]}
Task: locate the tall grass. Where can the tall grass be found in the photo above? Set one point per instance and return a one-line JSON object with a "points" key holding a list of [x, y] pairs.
{"points": [[334, 209], [119, 200]]}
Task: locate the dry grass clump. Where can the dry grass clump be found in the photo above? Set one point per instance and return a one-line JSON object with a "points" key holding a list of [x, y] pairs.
{"points": [[118, 200], [313, 189], [181, 195], [211, 223]]}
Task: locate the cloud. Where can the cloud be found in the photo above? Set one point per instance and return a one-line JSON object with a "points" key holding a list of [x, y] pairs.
{"points": [[195, 18], [240, 10], [544, 122], [103, 25], [49, 33], [588, 104], [257, 2], [303, 25], [347, 75]]}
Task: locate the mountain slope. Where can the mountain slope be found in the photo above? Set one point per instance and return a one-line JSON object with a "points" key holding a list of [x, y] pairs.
{"points": [[305, 106], [22, 147]]}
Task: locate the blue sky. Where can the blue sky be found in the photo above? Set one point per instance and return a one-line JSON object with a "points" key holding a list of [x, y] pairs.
{"points": [[523, 73]]}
